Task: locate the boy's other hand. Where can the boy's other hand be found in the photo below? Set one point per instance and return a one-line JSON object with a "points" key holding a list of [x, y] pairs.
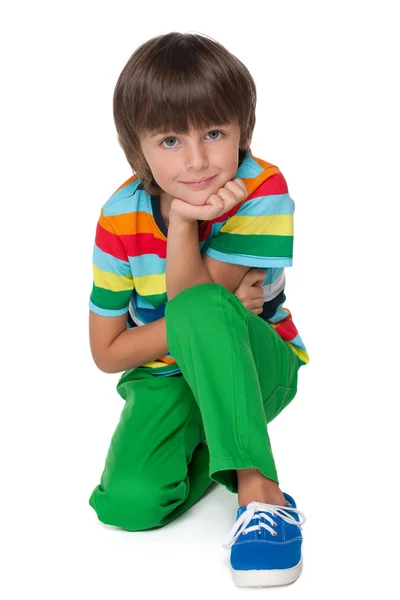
{"points": [[233, 192], [250, 292]]}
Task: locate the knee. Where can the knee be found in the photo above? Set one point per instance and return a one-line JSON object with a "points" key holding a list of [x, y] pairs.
{"points": [[135, 506], [195, 298]]}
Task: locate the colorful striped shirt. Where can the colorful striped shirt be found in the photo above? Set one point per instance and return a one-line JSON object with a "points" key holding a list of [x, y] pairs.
{"points": [[130, 252]]}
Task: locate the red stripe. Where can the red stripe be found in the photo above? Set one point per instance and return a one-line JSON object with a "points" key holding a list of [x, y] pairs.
{"points": [[286, 329], [110, 243], [276, 184], [205, 229], [134, 244], [137, 244]]}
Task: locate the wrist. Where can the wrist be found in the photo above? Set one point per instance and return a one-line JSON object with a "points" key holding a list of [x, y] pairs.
{"points": [[179, 220]]}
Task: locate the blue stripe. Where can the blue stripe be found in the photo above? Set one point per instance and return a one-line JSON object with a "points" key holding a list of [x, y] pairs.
{"points": [[147, 264], [248, 260], [298, 342], [103, 312], [279, 315], [107, 262], [249, 169], [149, 315], [140, 302], [136, 201], [165, 374], [122, 201], [276, 204], [272, 275]]}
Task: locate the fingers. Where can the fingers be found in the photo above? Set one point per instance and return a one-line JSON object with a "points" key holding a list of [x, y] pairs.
{"points": [[223, 201], [255, 276], [254, 308], [255, 305], [231, 194], [237, 187], [239, 183], [230, 197], [252, 298], [242, 183]]}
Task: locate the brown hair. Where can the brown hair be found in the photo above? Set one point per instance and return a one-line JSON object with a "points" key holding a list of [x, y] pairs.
{"points": [[178, 81]]}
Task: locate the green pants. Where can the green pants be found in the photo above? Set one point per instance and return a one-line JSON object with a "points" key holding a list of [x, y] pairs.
{"points": [[178, 434]]}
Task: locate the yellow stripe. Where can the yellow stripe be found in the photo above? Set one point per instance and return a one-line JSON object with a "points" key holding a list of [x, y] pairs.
{"points": [[300, 353], [265, 225], [151, 285], [163, 362], [154, 365], [111, 281]]}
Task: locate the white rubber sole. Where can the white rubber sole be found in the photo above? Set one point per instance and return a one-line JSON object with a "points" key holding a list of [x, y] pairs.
{"points": [[260, 578]]}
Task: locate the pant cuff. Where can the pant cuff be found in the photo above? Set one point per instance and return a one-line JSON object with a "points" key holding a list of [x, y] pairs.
{"points": [[223, 471]]}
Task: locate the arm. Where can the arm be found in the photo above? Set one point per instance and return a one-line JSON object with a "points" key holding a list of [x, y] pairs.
{"points": [[115, 348], [185, 265]]}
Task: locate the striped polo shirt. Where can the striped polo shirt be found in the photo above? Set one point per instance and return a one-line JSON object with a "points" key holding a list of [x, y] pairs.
{"points": [[130, 249]]}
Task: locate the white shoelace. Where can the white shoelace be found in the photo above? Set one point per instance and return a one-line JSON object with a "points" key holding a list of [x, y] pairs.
{"points": [[258, 510]]}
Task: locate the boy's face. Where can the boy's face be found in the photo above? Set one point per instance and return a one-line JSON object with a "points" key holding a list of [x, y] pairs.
{"points": [[176, 159]]}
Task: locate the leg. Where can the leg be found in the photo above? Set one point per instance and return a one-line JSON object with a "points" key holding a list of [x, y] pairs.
{"points": [[270, 353], [217, 344], [252, 485], [157, 464]]}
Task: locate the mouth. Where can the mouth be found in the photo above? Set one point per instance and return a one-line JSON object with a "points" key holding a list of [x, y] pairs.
{"points": [[199, 184]]}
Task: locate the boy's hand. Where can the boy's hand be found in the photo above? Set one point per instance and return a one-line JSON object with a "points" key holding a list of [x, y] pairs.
{"points": [[250, 292], [218, 204]]}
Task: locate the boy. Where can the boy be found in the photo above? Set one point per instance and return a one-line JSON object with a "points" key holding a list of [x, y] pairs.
{"points": [[210, 358]]}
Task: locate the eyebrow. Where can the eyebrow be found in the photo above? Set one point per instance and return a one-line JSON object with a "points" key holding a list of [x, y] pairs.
{"points": [[157, 133], [170, 131]]}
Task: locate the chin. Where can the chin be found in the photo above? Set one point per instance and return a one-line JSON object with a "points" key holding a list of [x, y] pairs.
{"points": [[200, 197]]}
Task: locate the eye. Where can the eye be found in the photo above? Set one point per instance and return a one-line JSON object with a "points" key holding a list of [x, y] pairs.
{"points": [[215, 131], [168, 138], [174, 138]]}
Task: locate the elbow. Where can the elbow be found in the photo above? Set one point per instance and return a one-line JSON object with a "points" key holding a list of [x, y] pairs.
{"points": [[102, 363], [104, 367]]}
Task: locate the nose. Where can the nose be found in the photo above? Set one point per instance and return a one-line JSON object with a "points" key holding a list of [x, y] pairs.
{"points": [[195, 155]]}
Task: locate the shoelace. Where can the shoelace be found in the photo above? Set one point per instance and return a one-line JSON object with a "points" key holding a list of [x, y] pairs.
{"points": [[258, 510]]}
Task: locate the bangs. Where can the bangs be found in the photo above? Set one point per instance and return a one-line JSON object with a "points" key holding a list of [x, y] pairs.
{"points": [[190, 85], [187, 102]]}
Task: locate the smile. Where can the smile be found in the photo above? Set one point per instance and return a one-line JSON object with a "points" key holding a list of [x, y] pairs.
{"points": [[198, 184]]}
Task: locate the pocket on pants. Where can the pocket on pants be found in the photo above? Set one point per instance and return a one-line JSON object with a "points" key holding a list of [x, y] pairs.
{"points": [[278, 400]]}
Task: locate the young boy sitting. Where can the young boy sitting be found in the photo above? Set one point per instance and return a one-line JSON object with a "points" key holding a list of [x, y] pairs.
{"points": [[189, 279]]}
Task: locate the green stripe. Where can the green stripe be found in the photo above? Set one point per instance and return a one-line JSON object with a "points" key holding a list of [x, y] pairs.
{"points": [[157, 299], [254, 245], [110, 300]]}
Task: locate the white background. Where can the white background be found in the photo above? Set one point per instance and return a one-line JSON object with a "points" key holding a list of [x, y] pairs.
{"points": [[328, 115]]}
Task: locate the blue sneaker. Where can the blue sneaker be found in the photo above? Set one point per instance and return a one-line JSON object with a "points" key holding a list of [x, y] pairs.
{"points": [[266, 544]]}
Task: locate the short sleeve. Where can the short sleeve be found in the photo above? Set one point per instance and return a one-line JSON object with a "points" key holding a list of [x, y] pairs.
{"points": [[260, 233], [113, 282]]}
